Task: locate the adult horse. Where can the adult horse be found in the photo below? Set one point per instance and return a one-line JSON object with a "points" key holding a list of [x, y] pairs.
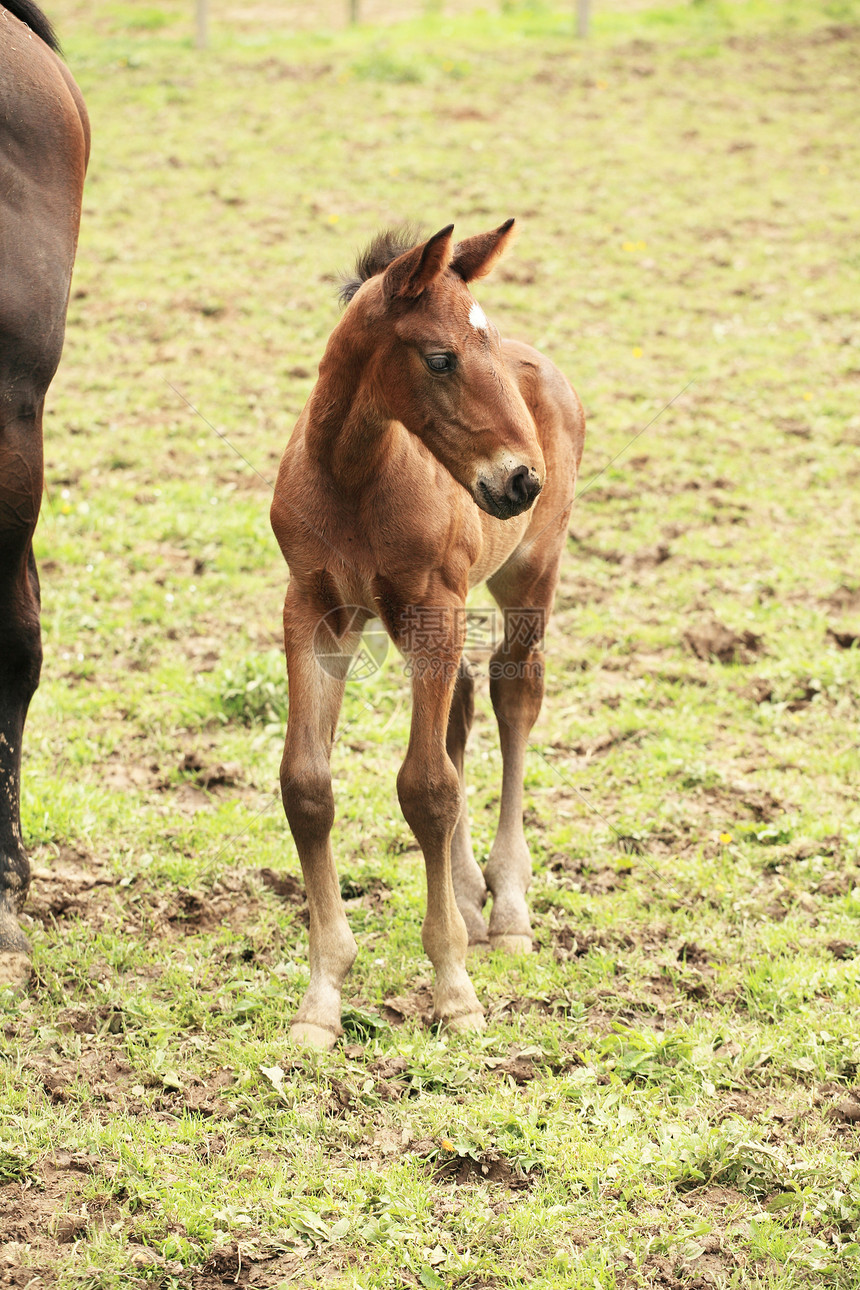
{"points": [[44, 148], [431, 456]]}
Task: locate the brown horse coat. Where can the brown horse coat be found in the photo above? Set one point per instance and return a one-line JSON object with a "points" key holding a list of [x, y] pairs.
{"points": [[430, 457], [44, 147]]}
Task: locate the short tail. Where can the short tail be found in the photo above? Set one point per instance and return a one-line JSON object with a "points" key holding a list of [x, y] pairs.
{"points": [[32, 15]]}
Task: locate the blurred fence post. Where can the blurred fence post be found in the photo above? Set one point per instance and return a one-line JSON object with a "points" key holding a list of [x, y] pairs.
{"points": [[583, 17], [201, 38], [353, 11]]}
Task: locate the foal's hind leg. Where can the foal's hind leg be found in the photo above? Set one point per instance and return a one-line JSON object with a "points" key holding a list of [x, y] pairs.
{"points": [[469, 886], [315, 697], [516, 689], [20, 664]]}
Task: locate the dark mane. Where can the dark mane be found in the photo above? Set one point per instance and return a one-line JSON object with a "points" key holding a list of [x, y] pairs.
{"points": [[32, 15], [375, 258]]}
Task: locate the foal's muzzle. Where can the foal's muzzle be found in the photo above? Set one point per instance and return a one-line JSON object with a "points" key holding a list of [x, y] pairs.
{"points": [[509, 493]]}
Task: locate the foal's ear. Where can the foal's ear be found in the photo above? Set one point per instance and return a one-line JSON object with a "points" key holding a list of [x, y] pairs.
{"points": [[475, 257], [408, 275]]}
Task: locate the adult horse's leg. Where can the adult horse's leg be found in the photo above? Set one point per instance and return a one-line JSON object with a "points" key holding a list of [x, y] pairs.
{"points": [[20, 664], [315, 697], [516, 689], [469, 886], [429, 790]]}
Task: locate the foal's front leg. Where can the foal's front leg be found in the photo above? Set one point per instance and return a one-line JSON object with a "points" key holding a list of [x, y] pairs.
{"points": [[429, 790], [315, 697]]}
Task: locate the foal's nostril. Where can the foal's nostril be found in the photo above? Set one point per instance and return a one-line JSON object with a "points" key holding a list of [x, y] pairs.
{"points": [[521, 487], [516, 484]]}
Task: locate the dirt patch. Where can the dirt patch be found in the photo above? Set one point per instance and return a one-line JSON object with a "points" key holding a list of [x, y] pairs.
{"points": [[573, 943], [417, 1005], [205, 774], [845, 600], [546, 1005], [646, 557], [839, 1104], [74, 886], [102, 1071], [371, 894], [690, 952], [201, 1096], [246, 1264], [758, 690], [232, 901], [101, 1079], [449, 1165], [46, 1211], [79, 1019], [657, 1003], [593, 880], [750, 1106], [712, 641], [390, 1077], [843, 638], [123, 774], [521, 1068], [760, 803], [703, 1271], [843, 949], [590, 748], [285, 885]]}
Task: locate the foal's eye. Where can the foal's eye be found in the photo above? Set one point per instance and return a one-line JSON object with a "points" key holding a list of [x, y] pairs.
{"points": [[440, 362]]}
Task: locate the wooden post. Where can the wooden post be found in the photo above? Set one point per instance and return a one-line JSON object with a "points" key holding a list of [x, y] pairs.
{"points": [[353, 11], [201, 38], [583, 17]]}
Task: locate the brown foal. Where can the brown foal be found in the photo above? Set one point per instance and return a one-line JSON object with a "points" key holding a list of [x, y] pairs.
{"points": [[431, 456]]}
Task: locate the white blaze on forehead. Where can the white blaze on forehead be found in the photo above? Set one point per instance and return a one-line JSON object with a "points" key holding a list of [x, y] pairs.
{"points": [[478, 318]]}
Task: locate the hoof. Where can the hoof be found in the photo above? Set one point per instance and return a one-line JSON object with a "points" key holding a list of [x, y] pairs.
{"points": [[15, 969], [307, 1035], [465, 1022], [512, 944]]}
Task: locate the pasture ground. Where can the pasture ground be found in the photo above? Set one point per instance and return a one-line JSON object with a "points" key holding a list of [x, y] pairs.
{"points": [[666, 1092]]}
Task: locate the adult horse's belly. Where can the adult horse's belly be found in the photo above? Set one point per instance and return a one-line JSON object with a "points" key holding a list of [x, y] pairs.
{"points": [[500, 538]]}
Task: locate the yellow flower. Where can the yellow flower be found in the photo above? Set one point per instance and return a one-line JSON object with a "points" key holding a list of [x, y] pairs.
{"points": [[333, 219], [725, 837], [807, 396], [637, 351], [447, 1145]]}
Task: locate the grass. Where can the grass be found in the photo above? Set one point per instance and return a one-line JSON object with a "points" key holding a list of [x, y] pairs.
{"points": [[663, 1095]]}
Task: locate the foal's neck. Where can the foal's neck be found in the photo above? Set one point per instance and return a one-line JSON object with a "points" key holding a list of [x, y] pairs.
{"points": [[346, 434]]}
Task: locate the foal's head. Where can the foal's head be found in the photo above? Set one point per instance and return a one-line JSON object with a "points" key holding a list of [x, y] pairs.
{"points": [[435, 364]]}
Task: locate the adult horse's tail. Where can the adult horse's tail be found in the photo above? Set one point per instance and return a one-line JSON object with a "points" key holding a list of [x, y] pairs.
{"points": [[32, 15]]}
